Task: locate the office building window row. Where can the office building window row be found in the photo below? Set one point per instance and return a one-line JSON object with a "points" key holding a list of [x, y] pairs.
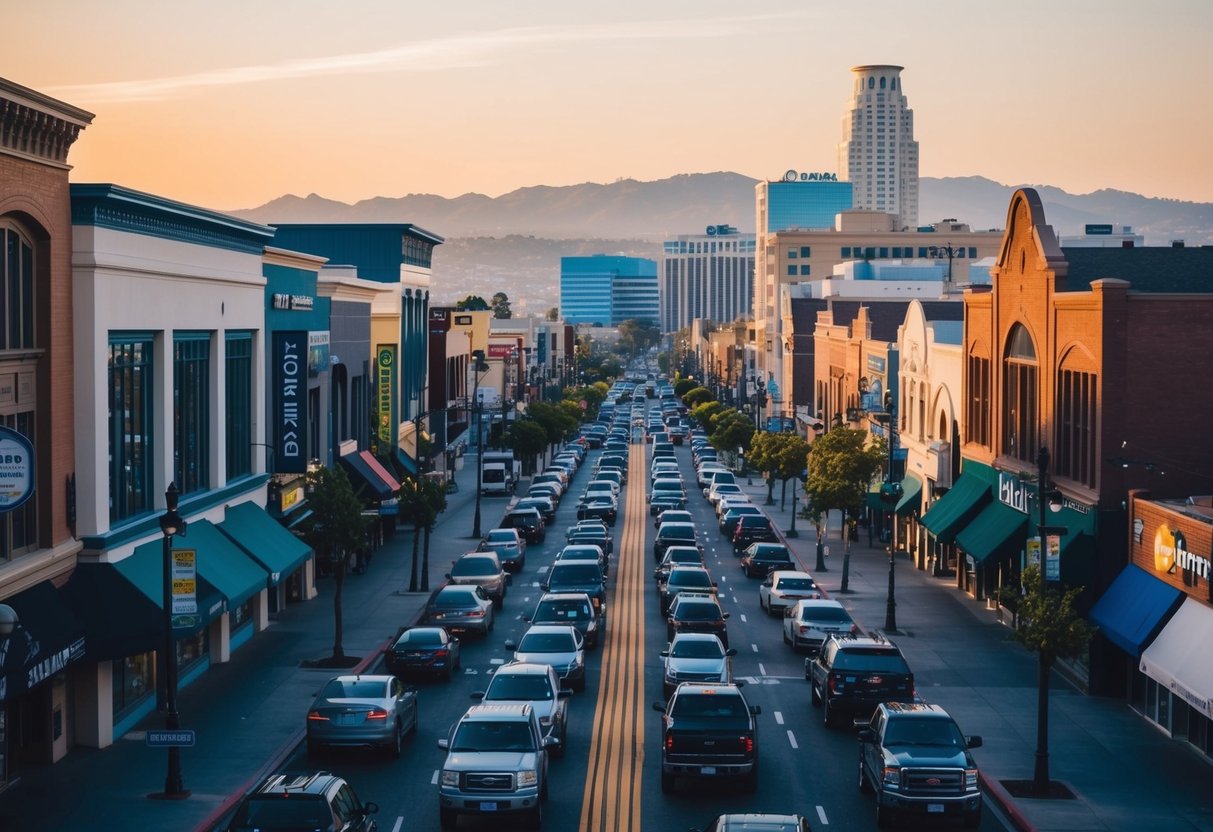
{"points": [[239, 404], [130, 425]]}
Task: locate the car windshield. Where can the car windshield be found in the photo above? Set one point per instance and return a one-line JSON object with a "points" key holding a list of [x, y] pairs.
{"points": [[580, 553], [689, 611], [678, 532], [547, 643], [474, 568], [514, 686], [573, 572], [295, 811], [940, 732], [562, 611], [825, 615], [421, 637], [685, 556], [502, 536], [796, 583], [690, 577], [696, 649], [454, 599], [354, 689], [714, 705], [870, 661], [492, 736]]}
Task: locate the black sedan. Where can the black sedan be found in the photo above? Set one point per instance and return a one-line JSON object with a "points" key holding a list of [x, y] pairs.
{"points": [[423, 651], [761, 558], [598, 508], [664, 502]]}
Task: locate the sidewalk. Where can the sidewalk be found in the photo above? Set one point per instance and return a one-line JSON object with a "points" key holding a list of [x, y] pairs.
{"points": [[247, 713], [1125, 773]]}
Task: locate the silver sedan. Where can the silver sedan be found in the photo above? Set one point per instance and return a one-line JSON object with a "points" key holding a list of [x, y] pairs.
{"points": [[362, 711]]}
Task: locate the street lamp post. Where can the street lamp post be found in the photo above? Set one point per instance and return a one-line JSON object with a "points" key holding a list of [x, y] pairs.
{"points": [[478, 366], [171, 524], [890, 494], [791, 532], [1044, 494]]}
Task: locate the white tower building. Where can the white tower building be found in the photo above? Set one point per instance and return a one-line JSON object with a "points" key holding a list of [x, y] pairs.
{"points": [[878, 154]]}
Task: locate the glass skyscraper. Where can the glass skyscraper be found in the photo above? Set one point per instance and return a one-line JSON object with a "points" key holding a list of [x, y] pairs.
{"points": [[608, 289]]}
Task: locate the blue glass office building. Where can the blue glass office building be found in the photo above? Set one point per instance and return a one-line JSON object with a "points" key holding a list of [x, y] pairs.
{"points": [[805, 205], [608, 289]]}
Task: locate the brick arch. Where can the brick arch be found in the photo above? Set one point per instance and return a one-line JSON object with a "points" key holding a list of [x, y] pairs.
{"points": [[1076, 356], [942, 408]]}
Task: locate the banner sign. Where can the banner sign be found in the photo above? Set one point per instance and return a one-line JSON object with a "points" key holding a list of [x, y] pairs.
{"points": [[317, 353], [500, 350], [385, 395], [1053, 558], [16, 469], [290, 351], [185, 581]]}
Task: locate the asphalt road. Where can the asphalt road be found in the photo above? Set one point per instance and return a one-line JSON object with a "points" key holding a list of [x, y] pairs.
{"points": [[609, 779]]}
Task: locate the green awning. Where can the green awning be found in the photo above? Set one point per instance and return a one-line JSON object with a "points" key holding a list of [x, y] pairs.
{"points": [[261, 536], [873, 501], [220, 561], [143, 569], [948, 516], [997, 531], [911, 496]]}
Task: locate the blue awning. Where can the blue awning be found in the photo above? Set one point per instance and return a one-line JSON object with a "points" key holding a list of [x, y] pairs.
{"points": [[1132, 610], [407, 462]]}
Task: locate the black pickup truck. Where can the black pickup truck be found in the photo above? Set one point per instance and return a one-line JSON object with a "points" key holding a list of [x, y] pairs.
{"points": [[851, 675], [708, 731], [916, 760]]}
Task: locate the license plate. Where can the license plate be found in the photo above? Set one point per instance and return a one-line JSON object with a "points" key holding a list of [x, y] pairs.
{"points": [[935, 808], [488, 807], [707, 770], [348, 719]]}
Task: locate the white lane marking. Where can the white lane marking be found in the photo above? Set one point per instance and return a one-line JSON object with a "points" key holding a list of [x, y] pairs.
{"points": [[496, 661], [754, 647], [792, 738], [434, 779], [536, 584], [762, 671], [734, 597], [779, 717], [743, 619], [399, 823], [821, 813], [724, 578]]}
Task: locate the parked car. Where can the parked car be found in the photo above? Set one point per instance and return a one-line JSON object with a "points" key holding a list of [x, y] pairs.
{"points": [[599, 507], [760, 558], [672, 515], [363, 712], [729, 518], [528, 521], [545, 505], [578, 576], [749, 821], [430, 651], [917, 761], [807, 624], [662, 502], [708, 730], [595, 534], [851, 675], [677, 556], [321, 801], [482, 569], [538, 686], [460, 609], [559, 645], [783, 587], [509, 546], [749, 530], [684, 578], [695, 657], [673, 534], [573, 608], [496, 764], [696, 612]]}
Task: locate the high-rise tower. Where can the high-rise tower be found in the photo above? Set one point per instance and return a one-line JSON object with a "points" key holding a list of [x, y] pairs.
{"points": [[878, 154]]}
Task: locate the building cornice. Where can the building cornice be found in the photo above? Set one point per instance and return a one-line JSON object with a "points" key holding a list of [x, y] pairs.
{"points": [[37, 127]]}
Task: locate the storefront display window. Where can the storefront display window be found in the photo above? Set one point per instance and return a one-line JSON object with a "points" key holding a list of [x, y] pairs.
{"points": [[192, 649], [133, 678]]}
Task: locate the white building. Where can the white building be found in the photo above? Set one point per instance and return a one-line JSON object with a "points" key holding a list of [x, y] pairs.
{"points": [[706, 275], [878, 154]]}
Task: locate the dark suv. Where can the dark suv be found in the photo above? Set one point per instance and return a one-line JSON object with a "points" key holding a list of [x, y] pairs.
{"points": [[708, 730], [321, 801], [528, 521], [673, 534], [917, 761], [753, 528], [855, 674], [696, 612]]}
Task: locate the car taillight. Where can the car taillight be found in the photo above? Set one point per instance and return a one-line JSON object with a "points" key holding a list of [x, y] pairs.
{"points": [[803, 629], [476, 613], [597, 603], [315, 716], [747, 744], [832, 683], [441, 654], [669, 742], [378, 713]]}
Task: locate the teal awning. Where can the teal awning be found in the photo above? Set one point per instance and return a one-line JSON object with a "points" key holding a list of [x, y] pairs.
{"points": [[911, 496], [949, 514], [143, 569], [220, 561], [997, 531], [873, 501], [261, 536]]}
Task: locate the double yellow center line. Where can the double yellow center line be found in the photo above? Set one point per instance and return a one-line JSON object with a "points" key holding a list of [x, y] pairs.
{"points": [[611, 801]]}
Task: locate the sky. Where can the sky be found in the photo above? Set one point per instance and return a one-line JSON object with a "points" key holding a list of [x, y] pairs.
{"points": [[228, 104]]}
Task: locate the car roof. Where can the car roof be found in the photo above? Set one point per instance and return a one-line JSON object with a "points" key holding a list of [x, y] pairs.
{"points": [[523, 669], [820, 603], [564, 596], [779, 574], [281, 784], [697, 637], [925, 710], [499, 711]]}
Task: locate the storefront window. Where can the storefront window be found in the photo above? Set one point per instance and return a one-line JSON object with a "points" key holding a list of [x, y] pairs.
{"points": [[192, 648], [242, 614], [133, 678]]}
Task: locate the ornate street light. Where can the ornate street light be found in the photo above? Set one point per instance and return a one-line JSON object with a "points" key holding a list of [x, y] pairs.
{"points": [[171, 524]]}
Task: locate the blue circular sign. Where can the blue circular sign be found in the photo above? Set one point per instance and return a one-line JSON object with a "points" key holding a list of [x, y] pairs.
{"points": [[16, 469]]}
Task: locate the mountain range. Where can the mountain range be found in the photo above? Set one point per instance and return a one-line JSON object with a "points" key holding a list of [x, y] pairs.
{"points": [[516, 240]]}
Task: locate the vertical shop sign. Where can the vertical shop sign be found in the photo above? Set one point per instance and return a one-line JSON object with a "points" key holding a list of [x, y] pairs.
{"points": [[290, 402], [385, 398]]}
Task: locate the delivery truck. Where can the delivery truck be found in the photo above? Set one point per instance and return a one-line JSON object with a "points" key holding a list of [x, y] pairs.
{"points": [[499, 472]]}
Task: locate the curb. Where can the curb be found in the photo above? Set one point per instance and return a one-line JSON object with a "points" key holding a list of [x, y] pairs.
{"points": [[996, 794], [211, 822]]}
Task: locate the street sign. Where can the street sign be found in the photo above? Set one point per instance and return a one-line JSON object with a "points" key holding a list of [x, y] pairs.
{"points": [[185, 580], [177, 738], [184, 622]]}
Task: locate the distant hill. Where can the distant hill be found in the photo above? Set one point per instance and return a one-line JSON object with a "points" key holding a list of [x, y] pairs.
{"points": [[515, 241]]}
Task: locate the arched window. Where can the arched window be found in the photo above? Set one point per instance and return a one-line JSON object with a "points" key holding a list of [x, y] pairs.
{"points": [[871, 83], [882, 82], [922, 409], [1076, 412], [1020, 380]]}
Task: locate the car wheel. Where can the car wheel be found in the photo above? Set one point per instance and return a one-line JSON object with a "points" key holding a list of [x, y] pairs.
{"points": [[535, 821], [786, 640], [447, 818], [397, 742], [667, 783], [863, 781], [827, 715], [884, 817]]}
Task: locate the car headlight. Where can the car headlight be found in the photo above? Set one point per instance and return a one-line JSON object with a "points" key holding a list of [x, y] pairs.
{"points": [[450, 778], [671, 675], [528, 777], [970, 779], [891, 776]]}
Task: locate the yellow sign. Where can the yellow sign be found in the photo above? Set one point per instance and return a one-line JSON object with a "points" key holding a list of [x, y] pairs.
{"points": [[1164, 550], [184, 578], [289, 498]]}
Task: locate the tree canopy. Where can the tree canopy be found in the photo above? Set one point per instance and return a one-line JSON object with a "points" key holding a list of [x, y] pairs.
{"points": [[472, 303], [731, 430], [697, 396], [500, 305], [841, 468]]}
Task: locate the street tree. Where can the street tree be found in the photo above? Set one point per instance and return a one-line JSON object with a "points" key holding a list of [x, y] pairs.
{"points": [[684, 386], [1048, 623], [527, 439], [732, 430], [556, 422], [553, 314], [706, 412], [335, 530], [840, 471], [500, 304], [697, 396], [472, 303], [432, 498], [779, 457]]}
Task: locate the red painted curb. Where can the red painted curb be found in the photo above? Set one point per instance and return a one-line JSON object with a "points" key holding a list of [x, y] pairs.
{"points": [[279, 757], [994, 790]]}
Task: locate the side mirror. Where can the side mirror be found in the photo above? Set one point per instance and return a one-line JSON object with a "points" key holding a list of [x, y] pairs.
{"points": [[370, 808], [659, 706], [510, 644], [447, 575], [665, 654], [732, 651], [755, 709], [551, 742], [864, 734], [564, 693], [974, 741], [444, 744], [477, 695]]}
